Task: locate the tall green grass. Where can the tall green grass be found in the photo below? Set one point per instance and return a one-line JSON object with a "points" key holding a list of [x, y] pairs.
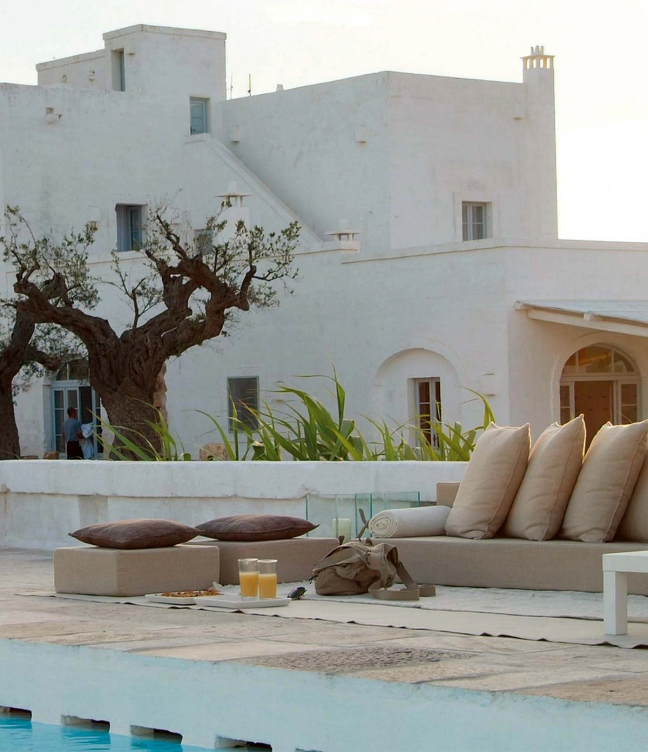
{"points": [[308, 430]]}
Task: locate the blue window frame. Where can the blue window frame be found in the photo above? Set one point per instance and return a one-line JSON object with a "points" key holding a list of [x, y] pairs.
{"points": [[130, 234], [118, 70], [199, 120]]}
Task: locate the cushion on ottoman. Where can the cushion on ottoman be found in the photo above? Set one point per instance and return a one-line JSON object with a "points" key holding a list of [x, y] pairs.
{"points": [[295, 557], [130, 534], [255, 527], [88, 570]]}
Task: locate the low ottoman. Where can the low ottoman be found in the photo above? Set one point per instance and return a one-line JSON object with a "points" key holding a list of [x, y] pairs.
{"points": [[89, 570], [295, 557]]}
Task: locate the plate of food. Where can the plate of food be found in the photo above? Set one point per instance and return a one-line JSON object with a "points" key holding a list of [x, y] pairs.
{"points": [[181, 597], [234, 601]]}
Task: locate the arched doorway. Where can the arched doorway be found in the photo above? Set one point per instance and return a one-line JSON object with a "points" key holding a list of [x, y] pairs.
{"points": [[71, 388], [603, 385], [419, 387]]}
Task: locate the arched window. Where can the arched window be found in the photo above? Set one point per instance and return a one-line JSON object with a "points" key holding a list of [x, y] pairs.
{"points": [[602, 384], [71, 388]]}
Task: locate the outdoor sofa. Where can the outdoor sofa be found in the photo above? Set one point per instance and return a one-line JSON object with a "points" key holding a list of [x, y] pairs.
{"points": [[502, 562]]}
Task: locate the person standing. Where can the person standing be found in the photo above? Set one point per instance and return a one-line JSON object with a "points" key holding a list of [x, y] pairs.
{"points": [[72, 434]]}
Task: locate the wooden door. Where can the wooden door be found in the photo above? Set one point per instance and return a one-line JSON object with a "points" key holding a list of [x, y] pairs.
{"points": [[594, 400]]}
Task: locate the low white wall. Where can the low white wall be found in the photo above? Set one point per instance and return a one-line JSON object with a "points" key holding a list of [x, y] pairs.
{"points": [[42, 501]]}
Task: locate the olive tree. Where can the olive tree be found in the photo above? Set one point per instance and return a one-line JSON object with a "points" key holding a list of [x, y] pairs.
{"points": [[183, 294]]}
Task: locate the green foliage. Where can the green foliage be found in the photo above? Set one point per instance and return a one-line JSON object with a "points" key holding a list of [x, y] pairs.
{"points": [[308, 431], [58, 268], [132, 444]]}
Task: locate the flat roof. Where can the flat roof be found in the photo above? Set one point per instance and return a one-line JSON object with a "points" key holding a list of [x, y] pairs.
{"points": [[173, 30]]}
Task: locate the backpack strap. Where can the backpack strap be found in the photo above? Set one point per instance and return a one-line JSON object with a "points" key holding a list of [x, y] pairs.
{"points": [[411, 591]]}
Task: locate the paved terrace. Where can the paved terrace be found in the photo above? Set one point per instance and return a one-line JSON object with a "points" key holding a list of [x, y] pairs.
{"points": [[488, 668]]}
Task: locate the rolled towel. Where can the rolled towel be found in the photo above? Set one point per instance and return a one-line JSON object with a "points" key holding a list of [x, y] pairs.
{"points": [[409, 523]]}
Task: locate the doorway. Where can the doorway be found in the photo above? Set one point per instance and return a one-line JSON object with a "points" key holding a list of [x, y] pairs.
{"points": [[601, 384], [593, 400], [71, 388]]}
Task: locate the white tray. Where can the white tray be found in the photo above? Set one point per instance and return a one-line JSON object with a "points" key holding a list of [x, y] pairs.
{"points": [[224, 601], [170, 600]]}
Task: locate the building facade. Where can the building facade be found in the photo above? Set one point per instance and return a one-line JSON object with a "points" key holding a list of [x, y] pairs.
{"points": [[429, 257]]}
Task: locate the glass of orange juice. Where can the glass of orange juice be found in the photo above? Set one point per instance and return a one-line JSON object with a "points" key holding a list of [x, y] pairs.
{"points": [[249, 577], [267, 578]]}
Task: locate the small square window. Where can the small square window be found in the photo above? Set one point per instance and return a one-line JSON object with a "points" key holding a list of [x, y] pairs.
{"points": [[130, 235], [243, 396], [199, 115], [474, 221]]}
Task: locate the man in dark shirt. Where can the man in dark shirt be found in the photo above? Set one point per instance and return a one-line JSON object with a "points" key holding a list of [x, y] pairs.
{"points": [[72, 434]]}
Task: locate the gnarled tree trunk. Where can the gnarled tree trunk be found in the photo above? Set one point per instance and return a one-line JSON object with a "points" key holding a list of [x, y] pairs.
{"points": [[133, 417], [9, 441], [18, 351], [126, 377]]}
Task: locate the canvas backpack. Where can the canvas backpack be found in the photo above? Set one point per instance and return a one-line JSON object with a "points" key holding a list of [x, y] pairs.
{"points": [[356, 568]]}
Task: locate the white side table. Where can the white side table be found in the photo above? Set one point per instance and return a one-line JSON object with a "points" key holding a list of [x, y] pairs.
{"points": [[616, 568]]}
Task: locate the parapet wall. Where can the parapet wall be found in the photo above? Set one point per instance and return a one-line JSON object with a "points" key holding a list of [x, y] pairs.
{"points": [[41, 501]]}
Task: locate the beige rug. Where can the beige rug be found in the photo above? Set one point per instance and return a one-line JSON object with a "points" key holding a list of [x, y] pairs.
{"points": [[448, 613]]}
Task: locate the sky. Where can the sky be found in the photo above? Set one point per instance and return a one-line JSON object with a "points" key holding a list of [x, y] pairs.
{"points": [[600, 48]]}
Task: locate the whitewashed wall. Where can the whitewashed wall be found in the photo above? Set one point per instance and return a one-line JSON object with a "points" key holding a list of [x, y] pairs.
{"points": [[395, 154], [42, 501]]}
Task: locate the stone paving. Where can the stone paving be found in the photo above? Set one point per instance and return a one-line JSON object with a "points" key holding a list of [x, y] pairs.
{"points": [[570, 672]]}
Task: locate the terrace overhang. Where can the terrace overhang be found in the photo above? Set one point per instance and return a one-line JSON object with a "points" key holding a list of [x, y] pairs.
{"points": [[618, 316]]}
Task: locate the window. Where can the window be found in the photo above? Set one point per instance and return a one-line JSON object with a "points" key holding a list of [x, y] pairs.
{"points": [[199, 121], [129, 227], [203, 240], [118, 71], [243, 399], [427, 402], [474, 221]]}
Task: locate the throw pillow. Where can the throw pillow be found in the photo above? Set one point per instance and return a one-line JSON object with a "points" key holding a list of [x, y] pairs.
{"points": [[255, 527], [554, 464], [136, 534], [634, 524], [490, 482], [605, 484]]}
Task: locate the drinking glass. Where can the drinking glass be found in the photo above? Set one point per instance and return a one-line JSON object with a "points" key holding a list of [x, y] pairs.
{"points": [[249, 577], [267, 578]]}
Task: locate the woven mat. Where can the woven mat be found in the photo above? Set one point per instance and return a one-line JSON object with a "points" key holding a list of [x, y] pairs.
{"points": [[553, 616]]}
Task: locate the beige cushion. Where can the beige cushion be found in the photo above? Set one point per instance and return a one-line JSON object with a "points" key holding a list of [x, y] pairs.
{"points": [[605, 484], [490, 482], [554, 464], [295, 557], [512, 563], [110, 571], [634, 525], [409, 523], [446, 493]]}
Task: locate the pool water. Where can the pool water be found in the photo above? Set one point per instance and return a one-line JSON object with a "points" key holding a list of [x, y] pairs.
{"points": [[21, 735]]}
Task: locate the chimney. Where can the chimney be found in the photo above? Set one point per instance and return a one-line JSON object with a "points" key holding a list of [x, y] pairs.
{"points": [[539, 140]]}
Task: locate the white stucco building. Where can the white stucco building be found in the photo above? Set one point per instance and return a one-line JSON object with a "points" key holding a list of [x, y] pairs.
{"points": [[446, 270]]}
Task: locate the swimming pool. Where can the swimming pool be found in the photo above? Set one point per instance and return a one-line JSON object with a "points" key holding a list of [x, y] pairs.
{"points": [[19, 734]]}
